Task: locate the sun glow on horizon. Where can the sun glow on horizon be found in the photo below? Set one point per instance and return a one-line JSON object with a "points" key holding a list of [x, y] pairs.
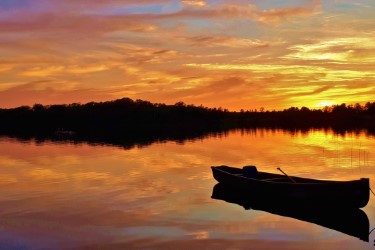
{"points": [[326, 103]]}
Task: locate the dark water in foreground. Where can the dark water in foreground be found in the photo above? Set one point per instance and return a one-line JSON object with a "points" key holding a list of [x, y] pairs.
{"points": [[80, 196]]}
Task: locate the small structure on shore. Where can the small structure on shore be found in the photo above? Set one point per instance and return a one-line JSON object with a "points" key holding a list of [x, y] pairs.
{"points": [[62, 132]]}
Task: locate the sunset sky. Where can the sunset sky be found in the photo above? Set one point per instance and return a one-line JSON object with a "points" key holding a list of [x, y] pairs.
{"points": [[234, 54]]}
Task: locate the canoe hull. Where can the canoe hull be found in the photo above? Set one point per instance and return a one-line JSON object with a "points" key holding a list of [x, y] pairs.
{"points": [[354, 193]]}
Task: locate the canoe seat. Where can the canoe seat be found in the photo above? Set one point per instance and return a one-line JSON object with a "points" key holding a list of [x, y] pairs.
{"points": [[250, 172]]}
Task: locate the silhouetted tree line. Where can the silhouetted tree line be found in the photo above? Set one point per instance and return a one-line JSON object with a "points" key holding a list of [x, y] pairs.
{"points": [[123, 116], [144, 119], [337, 117], [340, 118]]}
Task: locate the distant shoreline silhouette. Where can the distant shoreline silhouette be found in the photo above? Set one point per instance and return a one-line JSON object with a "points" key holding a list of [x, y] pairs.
{"points": [[142, 119]]}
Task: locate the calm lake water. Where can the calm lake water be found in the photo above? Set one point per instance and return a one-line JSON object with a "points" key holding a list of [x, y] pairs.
{"points": [[64, 195]]}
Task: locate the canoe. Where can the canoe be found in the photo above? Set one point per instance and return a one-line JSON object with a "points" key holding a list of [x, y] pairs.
{"points": [[295, 190], [350, 221]]}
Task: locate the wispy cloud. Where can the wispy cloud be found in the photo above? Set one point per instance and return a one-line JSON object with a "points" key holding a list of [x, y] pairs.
{"points": [[50, 92], [323, 74], [226, 41], [199, 3], [343, 50], [250, 11]]}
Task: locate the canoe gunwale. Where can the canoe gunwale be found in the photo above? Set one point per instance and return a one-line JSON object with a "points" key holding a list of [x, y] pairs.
{"points": [[308, 181]]}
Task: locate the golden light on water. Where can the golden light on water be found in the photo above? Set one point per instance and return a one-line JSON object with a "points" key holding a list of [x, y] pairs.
{"points": [[94, 194]]}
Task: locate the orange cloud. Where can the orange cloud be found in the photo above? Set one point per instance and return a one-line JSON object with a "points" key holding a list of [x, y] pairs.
{"points": [[280, 14], [31, 93], [240, 11], [226, 41], [349, 50], [199, 3]]}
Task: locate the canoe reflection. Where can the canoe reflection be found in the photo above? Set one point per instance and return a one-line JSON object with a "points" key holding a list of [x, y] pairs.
{"points": [[353, 222]]}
